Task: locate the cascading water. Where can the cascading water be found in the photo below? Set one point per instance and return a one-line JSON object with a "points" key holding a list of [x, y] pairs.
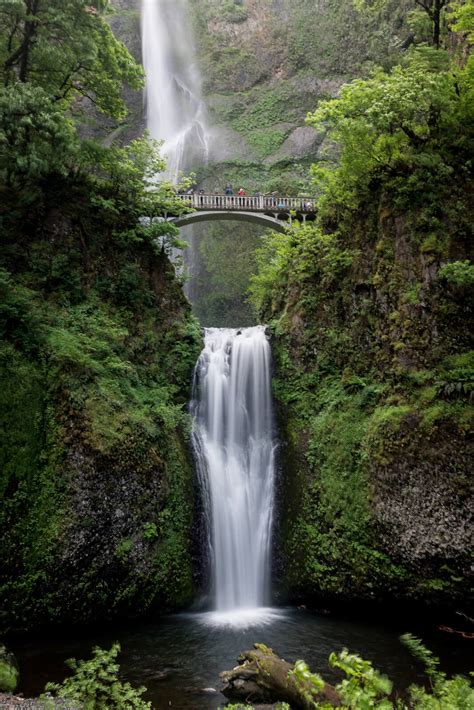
{"points": [[175, 111], [233, 421], [174, 107], [234, 446]]}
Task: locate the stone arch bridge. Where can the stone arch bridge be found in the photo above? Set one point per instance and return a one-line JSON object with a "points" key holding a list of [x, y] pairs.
{"points": [[267, 210]]}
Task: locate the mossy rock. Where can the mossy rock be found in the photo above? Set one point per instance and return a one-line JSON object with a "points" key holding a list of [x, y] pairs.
{"points": [[9, 673]]}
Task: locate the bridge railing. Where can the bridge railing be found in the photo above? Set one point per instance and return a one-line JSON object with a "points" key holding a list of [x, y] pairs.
{"points": [[260, 203]]}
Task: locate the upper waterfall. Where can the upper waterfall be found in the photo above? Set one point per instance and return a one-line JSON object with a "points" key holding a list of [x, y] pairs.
{"points": [[235, 450], [174, 108]]}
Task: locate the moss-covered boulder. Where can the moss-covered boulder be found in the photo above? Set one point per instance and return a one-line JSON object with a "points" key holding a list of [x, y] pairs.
{"points": [[9, 673]]}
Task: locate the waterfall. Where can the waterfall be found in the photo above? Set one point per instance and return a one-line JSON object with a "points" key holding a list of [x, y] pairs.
{"points": [[175, 111], [234, 447], [174, 107]]}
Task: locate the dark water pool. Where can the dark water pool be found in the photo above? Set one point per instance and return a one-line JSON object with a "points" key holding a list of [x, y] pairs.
{"points": [[179, 658]]}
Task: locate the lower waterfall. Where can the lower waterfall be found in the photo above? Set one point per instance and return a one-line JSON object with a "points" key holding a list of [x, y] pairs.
{"points": [[234, 445]]}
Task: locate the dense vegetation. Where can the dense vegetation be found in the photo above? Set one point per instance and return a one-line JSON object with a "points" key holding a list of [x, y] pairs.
{"points": [[222, 265], [97, 340], [369, 310]]}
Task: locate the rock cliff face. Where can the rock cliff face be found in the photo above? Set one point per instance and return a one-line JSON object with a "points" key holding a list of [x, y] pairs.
{"points": [[373, 361], [96, 361]]}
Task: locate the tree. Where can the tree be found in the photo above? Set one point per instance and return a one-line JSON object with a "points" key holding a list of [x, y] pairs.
{"points": [[67, 48], [51, 52], [36, 138], [461, 15], [417, 118], [433, 8]]}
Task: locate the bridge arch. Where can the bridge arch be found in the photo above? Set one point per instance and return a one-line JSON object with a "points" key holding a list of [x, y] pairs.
{"points": [[265, 220]]}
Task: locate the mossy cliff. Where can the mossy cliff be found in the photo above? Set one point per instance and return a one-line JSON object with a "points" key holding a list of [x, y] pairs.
{"points": [[373, 384], [265, 64], [98, 345], [370, 310]]}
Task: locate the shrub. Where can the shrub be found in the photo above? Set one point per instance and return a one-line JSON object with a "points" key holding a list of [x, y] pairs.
{"points": [[96, 686], [458, 273]]}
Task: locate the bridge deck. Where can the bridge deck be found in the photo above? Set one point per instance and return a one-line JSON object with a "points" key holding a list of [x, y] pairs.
{"points": [[262, 203]]}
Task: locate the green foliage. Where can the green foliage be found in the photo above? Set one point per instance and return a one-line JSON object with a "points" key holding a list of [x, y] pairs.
{"points": [[453, 694], [233, 11], [312, 255], [332, 541], [461, 16], [458, 273], [150, 531], [35, 136], [265, 108], [172, 554], [95, 684], [455, 379], [91, 63], [395, 123], [88, 345], [364, 687], [123, 549], [343, 39], [8, 676], [310, 684], [423, 654], [265, 141], [432, 11], [18, 316]]}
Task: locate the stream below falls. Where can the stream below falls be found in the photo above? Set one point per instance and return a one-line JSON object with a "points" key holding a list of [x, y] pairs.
{"points": [[179, 658]]}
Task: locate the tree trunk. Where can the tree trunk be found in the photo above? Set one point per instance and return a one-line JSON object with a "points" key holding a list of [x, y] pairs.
{"points": [[29, 35], [438, 6], [263, 677]]}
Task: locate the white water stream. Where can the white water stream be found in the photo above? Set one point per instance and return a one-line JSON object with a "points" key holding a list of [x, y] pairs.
{"points": [[174, 107], [175, 111], [232, 405], [235, 451]]}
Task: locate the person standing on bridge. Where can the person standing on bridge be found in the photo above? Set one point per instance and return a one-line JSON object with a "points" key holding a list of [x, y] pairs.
{"points": [[229, 190], [241, 193]]}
